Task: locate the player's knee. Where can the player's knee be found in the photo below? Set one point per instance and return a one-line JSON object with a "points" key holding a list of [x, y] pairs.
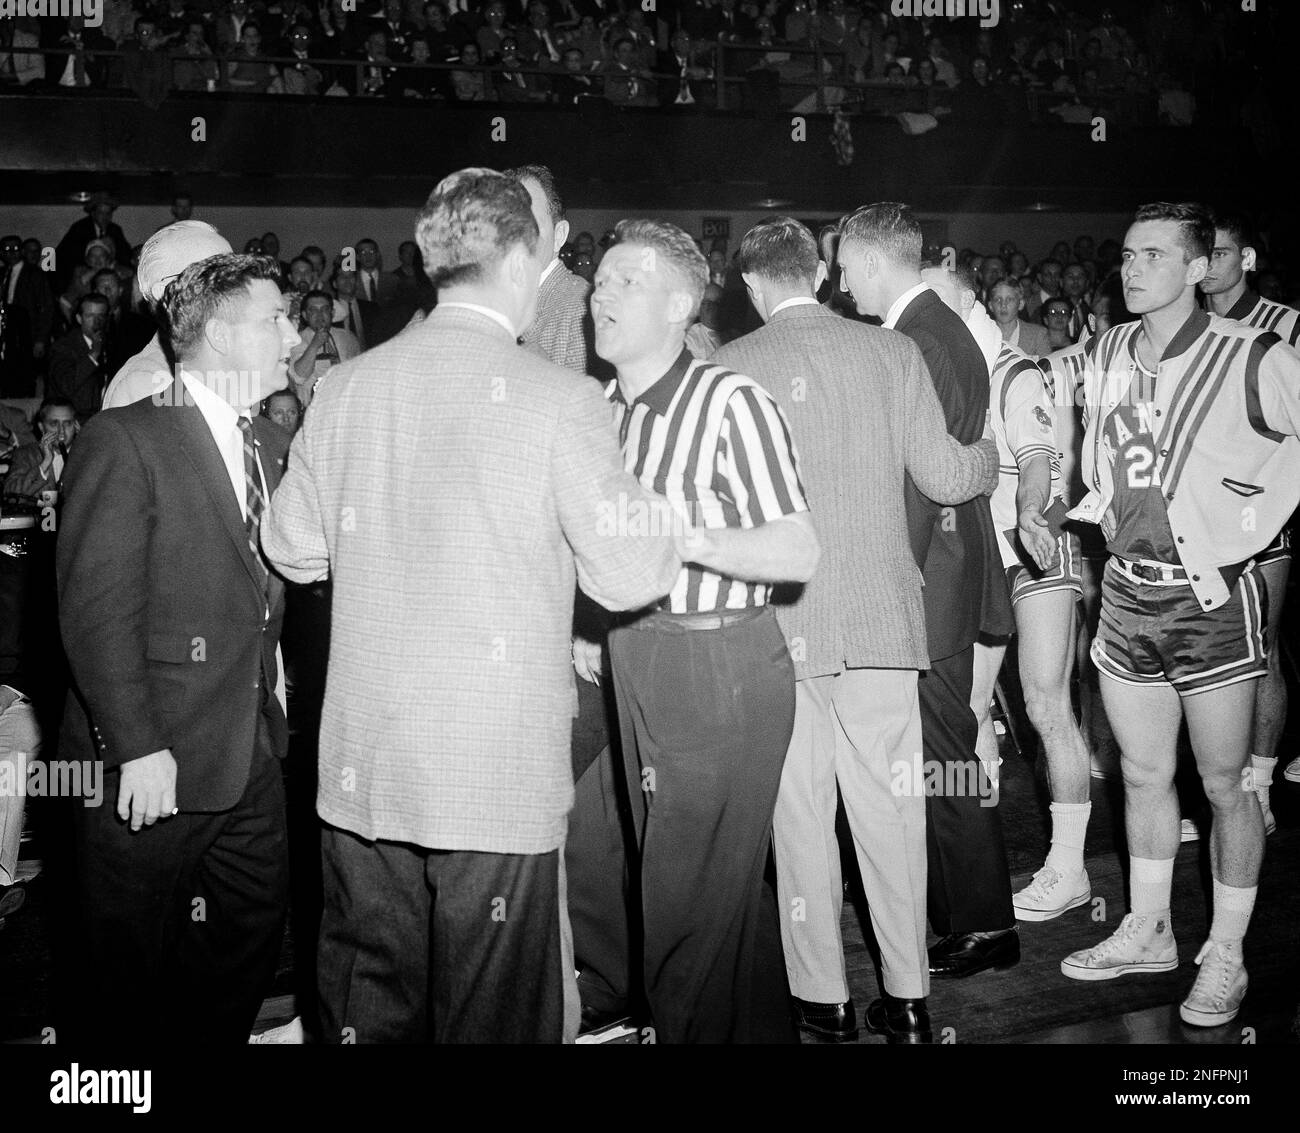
{"points": [[1046, 702], [1223, 789]]}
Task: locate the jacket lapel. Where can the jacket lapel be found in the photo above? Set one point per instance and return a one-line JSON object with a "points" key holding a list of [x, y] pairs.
{"points": [[201, 450]]}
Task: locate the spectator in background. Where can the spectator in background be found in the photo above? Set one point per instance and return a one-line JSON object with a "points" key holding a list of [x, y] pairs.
{"points": [[194, 67], [228, 26], [626, 82], [380, 72], [1056, 72], [1005, 304], [271, 247], [1074, 287], [471, 83], [350, 312], [680, 60], [416, 81], [145, 65], [98, 256], [74, 60], [1017, 265], [19, 62], [944, 70], [703, 337], [125, 331], [372, 284], [284, 409], [96, 225], [1061, 253], [413, 285], [301, 76], [77, 360], [493, 31], [25, 291], [397, 29], [512, 84], [1056, 318], [37, 467], [979, 101], [246, 70], [321, 347], [302, 279], [573, 82], [992, 271], [537, 43]]}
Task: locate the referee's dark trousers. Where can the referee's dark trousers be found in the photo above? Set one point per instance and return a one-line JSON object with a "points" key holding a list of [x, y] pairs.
{"points": [[706, 716]]}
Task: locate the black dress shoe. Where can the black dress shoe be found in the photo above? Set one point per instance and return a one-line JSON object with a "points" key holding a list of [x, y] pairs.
{"points": [[594, 1019], [900, 1020], [837, 1022], [965, 953]]}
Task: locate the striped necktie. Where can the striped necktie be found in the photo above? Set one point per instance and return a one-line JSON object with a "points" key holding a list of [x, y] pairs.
{"points": [[254, 502]]}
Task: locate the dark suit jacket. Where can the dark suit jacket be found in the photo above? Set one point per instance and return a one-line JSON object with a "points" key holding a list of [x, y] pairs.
{"points": [[71, 252], [74, 374], [956, 548], [162, 610], [33, 302]]}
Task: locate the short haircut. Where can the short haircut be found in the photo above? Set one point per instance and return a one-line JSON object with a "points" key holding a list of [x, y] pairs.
{"points": [[287, 391], [673, 247], [316, 294], [1239, 226], [205, 290], [1195, 225], [890, 228], [53, 403], [103, 271], [1056, 299], [546, 179], [1045, 263], [780, 249], [250, 25], [962, 274], [300, 260], [1011, 285], [92, 297], [471, 220], [828, 240]]}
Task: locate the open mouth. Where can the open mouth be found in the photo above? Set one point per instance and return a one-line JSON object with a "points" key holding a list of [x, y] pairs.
{"points": [[603, 322]]}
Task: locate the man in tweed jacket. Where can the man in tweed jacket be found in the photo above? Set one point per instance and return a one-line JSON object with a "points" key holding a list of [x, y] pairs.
{"points": [[560, 328], [863, 414], [449, 482]]}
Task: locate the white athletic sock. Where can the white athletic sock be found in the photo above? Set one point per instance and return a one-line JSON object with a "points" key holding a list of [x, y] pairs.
{"points": [[1232, 909], [1069, 825], [1262, 770], [1151, 880]]}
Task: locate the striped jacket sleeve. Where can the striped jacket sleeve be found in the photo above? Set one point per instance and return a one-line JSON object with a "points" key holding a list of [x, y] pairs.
{"points": [[762, 466], [1273, 387], [1027, 412]]}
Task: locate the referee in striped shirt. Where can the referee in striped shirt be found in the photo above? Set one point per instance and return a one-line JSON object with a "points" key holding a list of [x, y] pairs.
{"points": [[704, 682]]}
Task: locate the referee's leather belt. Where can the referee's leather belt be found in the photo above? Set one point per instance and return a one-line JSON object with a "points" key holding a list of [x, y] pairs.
{"points": [[1146, 571], [687, 623]]}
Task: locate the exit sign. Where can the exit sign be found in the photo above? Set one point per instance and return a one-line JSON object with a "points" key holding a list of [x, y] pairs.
{"points": [[717, 228]]}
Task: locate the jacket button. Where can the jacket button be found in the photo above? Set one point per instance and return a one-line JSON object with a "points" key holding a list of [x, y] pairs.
{"points": [[1196, 578], [1164, 452], [1180, 538], [1170, 497], [1158, 413]]}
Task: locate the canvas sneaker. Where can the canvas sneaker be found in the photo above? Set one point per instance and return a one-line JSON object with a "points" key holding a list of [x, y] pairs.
{"points": [[1220, 986], [1141, 944], [1051, 893]]}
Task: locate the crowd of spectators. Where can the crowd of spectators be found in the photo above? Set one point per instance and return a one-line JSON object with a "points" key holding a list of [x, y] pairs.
{"points": [[1043, 59]]}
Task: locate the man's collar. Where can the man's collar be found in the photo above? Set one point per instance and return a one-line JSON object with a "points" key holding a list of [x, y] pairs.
{"points": [[213, 406], [795, 306], [660, 395], [1188, 333], [901, 303], [1243, 306], [549, 271], [495, 315]]}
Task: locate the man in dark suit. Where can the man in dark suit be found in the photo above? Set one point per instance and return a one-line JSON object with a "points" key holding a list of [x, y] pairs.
{"points": [[689, 88], [96, 225], [78, 359], [965, 596], [29, 315], [170, 619]]}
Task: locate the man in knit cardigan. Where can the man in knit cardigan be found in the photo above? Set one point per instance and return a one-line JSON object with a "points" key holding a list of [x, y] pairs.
{"points": [[557, 331], [864, 414]]}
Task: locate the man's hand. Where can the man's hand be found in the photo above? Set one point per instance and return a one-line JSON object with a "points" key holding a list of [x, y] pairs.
{"points": [[49, 444], [147, 790], [587, 660], [691, 544], [1037, 538]]}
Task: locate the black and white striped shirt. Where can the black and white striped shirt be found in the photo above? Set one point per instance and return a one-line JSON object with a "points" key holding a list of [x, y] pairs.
{"points": [[718, 448], [1256, 311]]}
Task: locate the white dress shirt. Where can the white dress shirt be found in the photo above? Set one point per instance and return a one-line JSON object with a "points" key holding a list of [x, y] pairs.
{"points": [[794, 301], [987, 335], [900, 304], [13, 280], [223, 422]]}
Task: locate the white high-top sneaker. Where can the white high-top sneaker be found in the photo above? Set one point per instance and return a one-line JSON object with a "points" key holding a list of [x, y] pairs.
{"points": [[1141, 944], [1051, 893], [1220, 987]]}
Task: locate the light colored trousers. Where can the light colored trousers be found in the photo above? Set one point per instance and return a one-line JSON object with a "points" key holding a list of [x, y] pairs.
{"points": [[856, 728], [19, 736]]}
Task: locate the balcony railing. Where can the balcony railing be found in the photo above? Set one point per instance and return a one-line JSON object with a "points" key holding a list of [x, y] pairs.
{"points": [[743, 76]]}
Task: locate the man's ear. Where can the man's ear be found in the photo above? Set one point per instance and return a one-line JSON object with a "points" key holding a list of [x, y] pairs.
{"points": [[561, 236], [217, 334], [1198, 269], [679, 307], [820, 276], [1248, 258]]}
